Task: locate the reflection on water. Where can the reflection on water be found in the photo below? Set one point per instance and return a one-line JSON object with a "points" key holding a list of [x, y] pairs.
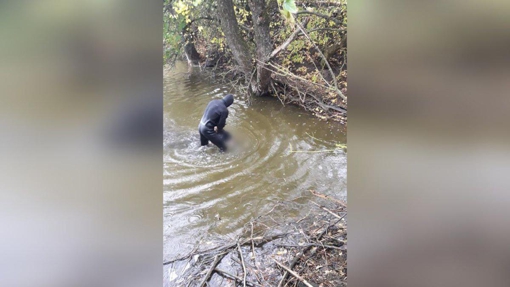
{"points": [[200, 183]]}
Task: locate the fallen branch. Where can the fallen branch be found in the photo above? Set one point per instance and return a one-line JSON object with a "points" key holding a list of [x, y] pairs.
{"points": [[326, 61], [327, 210], [242, 261], [328, 197], [310, 245], [257, 241], [293, 274], [299, 255], [182, 257], [308, 91], [252, 245], [327, 107], [292, 264], [285, 73], [320, 241], [228, 275], [217, 260]]}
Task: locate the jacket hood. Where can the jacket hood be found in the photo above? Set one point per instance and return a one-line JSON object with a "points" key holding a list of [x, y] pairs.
{"points": [[228, 99]]}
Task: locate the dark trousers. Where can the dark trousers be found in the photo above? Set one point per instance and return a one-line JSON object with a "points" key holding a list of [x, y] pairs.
{"points": [[207, 134]]}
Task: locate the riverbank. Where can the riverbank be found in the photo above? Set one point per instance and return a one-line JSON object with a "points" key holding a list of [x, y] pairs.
{"points": [[203, 185], [290, 88], [306, 251]]}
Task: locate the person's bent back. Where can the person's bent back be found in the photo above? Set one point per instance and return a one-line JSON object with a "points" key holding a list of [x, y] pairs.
{"points": [[211, 127]]}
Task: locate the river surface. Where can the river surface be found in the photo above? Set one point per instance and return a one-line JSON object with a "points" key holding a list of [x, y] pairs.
{"points": [[281, 153]]}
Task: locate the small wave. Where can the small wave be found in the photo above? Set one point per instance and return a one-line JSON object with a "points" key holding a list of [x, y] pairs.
{"points": [[201, 182]]}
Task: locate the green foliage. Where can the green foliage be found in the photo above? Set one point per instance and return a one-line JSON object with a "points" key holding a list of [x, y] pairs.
{"points": [[288, 7], [242, 14], [287, 15], [190, 20], [297, 58], [301, 56], [179, 25]]}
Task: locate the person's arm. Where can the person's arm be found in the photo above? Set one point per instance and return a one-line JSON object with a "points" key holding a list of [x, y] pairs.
{"points": [[223, 120]]}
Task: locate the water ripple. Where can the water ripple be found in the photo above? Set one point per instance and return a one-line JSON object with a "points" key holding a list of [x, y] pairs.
{"points": [[201, 183]]}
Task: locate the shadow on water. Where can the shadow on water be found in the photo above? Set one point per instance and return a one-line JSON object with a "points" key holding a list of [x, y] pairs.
{"points": [[202, 183]]}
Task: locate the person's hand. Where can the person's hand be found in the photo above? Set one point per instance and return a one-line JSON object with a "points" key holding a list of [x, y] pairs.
{"points": [[215, 129]]}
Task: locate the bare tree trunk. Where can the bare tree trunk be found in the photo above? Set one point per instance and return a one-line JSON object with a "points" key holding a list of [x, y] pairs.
{"points": [[262, 37], [235, 41]]}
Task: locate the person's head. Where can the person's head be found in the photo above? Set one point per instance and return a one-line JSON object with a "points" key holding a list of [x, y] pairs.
{"points": [[228, 99]]}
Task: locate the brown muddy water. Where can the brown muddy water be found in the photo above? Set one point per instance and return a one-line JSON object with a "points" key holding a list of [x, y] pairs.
{"points": [[283, 153]]}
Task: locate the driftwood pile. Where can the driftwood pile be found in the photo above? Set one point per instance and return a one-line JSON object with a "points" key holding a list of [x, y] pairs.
{"points": [[308, 251]]}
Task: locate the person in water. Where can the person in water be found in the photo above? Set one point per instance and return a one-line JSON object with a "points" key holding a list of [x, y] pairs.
{"points": [[213, 121]]}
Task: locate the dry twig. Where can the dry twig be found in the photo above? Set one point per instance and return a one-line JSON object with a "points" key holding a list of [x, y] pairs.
{"points": [[325, 60], [289, 40], [217, 260], [242, 261], [226, 274], [328, 198], [327, 210], [293, 273]]}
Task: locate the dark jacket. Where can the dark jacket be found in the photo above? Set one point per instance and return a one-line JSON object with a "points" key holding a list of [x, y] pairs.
{"points": [[216, 113]]}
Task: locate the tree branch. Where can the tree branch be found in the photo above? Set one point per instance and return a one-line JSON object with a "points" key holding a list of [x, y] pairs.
{"points": [[287, 42], [197, 19], [326, 61]]}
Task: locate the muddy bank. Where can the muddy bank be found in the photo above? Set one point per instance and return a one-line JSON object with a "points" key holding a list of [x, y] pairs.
{"points": [[290, 88], [306, 251], [202, 185]]}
